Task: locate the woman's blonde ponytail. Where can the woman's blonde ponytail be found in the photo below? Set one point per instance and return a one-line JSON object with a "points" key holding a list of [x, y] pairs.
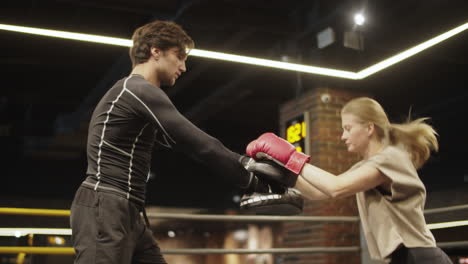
{"points": [[417, 137]]}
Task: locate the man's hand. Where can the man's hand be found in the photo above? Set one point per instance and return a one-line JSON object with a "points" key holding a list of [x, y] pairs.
{"points": [[269, 172]]}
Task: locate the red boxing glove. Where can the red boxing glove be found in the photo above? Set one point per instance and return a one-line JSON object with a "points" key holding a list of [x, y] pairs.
{"points": [[269, 146]]}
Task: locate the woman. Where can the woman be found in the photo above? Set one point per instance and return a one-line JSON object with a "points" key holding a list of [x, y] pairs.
{"points": [[390, 195]]}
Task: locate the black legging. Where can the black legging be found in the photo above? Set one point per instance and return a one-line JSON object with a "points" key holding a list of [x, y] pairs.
{"points": [[420, 255]]}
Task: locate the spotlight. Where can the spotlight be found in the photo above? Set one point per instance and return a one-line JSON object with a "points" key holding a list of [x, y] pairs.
{"points": [[171, 233], [359, 19], [236, 198], [241, 235]]}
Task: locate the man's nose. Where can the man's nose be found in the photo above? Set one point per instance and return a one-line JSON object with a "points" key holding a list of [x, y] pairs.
{"points": [[183, 68]]}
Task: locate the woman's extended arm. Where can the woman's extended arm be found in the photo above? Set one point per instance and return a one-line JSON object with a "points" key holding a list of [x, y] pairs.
{"points": [[349, 183]]}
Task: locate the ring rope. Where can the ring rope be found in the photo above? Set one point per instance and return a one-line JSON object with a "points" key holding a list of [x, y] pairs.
{"points": [[205, 251]]}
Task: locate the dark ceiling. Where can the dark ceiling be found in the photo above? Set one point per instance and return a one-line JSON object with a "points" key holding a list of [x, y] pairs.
{"points": [[50, 85]]}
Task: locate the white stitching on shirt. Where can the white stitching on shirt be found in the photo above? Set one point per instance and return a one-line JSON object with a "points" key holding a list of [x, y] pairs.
{"points": [[154, 116], [116, 148], [131, 161], [98, 174]]}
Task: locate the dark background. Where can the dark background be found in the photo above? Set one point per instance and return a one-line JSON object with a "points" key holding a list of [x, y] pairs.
{"points": [[50, 86]]}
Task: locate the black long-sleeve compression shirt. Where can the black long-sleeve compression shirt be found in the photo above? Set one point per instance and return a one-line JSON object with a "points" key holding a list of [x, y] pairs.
{"points": [[131, 117]]}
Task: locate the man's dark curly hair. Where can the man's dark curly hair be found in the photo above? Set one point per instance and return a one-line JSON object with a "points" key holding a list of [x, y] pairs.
{"points": [[161, 34]]}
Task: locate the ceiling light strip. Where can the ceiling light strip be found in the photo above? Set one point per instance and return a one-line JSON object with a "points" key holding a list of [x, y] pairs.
{"points": [[410, 52], [194, 52], [68, 35], [273, 64], [251, 60]]}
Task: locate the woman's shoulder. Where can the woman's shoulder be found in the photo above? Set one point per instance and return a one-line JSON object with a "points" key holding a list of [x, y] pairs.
{"points": [[394, 150], [392, 155]]}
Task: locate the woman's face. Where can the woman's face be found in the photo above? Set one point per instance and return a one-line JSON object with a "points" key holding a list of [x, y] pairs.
{"points": [[356, 134]]}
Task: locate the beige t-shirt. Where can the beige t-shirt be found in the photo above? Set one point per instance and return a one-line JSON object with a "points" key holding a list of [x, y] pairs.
{"points": [[393, 216]]}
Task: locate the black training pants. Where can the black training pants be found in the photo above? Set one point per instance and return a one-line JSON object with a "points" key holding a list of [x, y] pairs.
{"points": [[108, 229], [419, 255]]}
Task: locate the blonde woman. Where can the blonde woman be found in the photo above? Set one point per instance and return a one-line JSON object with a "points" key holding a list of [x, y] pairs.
{"points": [[390, 195]]}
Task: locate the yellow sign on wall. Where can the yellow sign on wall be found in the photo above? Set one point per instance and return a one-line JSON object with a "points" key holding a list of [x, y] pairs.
{"points": [[296, 132]]}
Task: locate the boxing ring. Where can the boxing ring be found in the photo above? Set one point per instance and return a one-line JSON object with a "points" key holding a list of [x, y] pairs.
{"points": [[21, 251]]}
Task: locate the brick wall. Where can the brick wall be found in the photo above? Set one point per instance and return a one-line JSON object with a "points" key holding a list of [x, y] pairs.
{"points": [[328, 152]]}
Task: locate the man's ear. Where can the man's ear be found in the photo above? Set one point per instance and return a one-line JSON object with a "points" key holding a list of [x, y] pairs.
{"points": [[156, 53], [370, 128]]}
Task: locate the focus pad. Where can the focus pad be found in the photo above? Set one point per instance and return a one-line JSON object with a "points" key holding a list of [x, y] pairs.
{"points": [[288, 203]]}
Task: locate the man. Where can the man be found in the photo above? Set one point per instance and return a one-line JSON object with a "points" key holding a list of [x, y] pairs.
{"points": [[132, 117]]}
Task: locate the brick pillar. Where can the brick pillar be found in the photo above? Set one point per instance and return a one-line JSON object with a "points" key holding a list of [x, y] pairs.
{"points": [[328, 152]]}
